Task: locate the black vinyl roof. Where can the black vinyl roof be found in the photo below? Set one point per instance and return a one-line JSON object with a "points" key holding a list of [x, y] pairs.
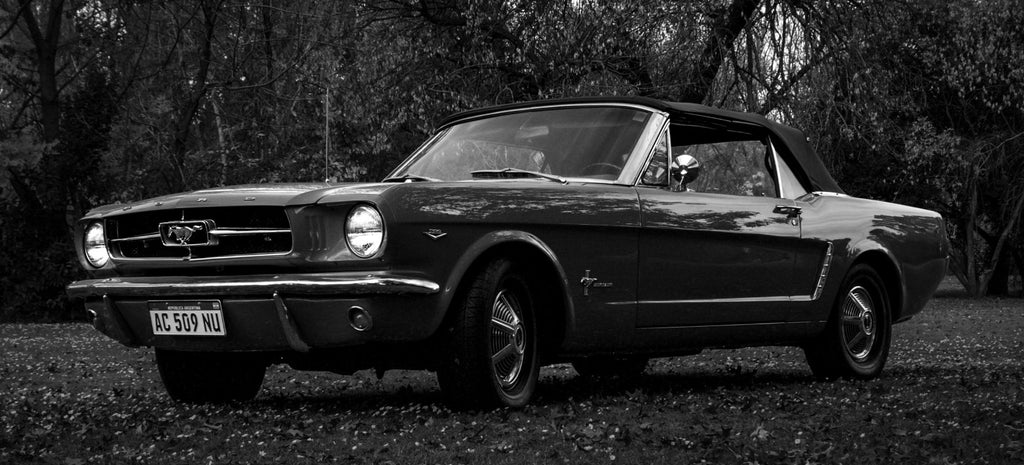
{"points": [[790, 142]]}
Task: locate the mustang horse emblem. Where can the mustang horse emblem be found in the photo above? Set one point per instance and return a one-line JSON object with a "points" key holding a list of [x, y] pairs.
{"points": [[183, 233]]}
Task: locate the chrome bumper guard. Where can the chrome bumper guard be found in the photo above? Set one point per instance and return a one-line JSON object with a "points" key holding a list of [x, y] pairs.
{"points": [[301, 284]]}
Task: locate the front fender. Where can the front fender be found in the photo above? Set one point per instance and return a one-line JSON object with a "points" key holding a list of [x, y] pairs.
{"points": [[491, 245]]}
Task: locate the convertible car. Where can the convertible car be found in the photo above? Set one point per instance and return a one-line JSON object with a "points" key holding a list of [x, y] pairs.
{"points": [[599, 232]]}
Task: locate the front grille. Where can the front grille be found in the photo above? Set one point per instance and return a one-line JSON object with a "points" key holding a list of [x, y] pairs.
{"points": [[238, 231]]}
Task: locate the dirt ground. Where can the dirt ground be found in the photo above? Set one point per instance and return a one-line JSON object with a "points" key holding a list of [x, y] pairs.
{"points": [[951, 393]]}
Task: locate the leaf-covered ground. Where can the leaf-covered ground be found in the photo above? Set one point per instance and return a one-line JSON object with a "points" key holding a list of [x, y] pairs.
{"points": [[951, 393]]}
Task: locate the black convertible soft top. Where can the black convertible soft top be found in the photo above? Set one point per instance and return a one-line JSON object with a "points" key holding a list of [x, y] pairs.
{"points": [[790, 142]]}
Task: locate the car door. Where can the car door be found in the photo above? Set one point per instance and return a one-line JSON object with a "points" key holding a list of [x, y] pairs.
{"points": [[720, 250]]}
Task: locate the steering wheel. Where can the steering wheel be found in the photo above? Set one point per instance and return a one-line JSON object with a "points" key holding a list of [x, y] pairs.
{"points": [[601, 168]]}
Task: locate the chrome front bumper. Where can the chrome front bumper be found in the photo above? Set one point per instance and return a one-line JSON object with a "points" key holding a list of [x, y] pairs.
{"points": [[306, 284], [269, 312]]}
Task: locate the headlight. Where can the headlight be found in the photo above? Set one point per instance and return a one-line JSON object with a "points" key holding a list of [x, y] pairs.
{"points": [[96, 245], [364, 231]]}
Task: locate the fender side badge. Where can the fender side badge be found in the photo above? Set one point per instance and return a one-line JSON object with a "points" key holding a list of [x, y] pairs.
{"points": [[589, 283]]}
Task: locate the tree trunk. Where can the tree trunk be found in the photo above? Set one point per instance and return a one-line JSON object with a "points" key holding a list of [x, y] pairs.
{"points": [[183, 125], [726, 27], [45, 43], [1018, 259], [49, 96], [986, 276], [998, 285], [970, 269]]}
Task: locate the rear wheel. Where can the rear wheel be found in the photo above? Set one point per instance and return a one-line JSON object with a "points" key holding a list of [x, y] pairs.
{"points": [[492, 345], [610, 367], [202, 377], [856, 341]]}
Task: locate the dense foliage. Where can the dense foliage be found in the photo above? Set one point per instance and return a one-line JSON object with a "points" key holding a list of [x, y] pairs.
{"points": [[103, 101]]}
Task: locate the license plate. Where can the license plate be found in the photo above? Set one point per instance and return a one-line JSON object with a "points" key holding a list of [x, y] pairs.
{"points": [[186, 317]]}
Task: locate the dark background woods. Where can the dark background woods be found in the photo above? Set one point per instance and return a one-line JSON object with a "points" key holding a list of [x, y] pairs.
{"points": [[918, 101]]}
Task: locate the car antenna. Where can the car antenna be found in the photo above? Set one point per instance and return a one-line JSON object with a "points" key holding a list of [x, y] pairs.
{"points": [[327, 133]]}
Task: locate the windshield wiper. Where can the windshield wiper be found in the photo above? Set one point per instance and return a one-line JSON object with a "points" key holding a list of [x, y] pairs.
{"points": [[516, 173], [410, 178]]}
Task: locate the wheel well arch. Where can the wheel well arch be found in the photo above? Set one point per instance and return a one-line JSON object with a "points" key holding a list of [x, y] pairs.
{"points": [[892, 279], [553, 308]]}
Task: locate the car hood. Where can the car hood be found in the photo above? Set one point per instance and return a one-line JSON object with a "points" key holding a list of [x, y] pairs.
{"points": [[294, 195], [243, 196]]}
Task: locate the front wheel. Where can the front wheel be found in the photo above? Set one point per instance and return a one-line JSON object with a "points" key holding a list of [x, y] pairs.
{"points": [[202, 377], [492, 356], [856, 341]]}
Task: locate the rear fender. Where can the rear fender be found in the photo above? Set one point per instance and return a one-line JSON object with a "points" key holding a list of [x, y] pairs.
{"points": [[885, 263]]}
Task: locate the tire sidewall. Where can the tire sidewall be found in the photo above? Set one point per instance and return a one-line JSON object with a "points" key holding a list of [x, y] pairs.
{"points": [[510, 280], [466, 373], [866, 277]]}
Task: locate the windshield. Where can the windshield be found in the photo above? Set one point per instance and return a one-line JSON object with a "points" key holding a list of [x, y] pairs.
{"points": [[580, 142]]}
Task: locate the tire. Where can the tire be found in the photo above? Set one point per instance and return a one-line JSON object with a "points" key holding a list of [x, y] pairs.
{"points": [[210, 377], [856, 340], [610, 367], [492, 358]]}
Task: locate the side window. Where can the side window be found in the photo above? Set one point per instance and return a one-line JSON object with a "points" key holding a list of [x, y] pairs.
{"points": [[732, 167], [656, 173], [791, 187]]}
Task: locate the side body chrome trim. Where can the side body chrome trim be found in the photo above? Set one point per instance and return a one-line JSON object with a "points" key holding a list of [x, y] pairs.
{"points": [[773, 298], [300, 284]]}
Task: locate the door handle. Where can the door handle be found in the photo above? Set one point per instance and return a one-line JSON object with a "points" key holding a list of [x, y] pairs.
{"points": [[788, 210]]}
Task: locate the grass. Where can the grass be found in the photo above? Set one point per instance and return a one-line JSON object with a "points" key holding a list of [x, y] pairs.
{"points": [[951, 393]]}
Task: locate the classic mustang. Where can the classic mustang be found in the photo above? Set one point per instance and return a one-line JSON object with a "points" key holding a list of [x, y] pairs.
{"points": [[596, 231]]}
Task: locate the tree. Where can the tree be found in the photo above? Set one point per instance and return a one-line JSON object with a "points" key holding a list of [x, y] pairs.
{"points": [[921, 104], [916, 101]]}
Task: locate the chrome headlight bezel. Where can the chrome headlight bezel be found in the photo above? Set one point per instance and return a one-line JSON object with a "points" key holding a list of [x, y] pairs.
{"points": [[94, 245], [364, 231]]}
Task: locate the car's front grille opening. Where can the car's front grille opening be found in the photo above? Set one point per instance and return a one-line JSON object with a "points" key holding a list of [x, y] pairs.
{"points": [[235, 232]]}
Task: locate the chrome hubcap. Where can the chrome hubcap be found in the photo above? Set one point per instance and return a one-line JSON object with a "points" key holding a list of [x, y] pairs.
{"points": [[508, 339], [860, 325]]}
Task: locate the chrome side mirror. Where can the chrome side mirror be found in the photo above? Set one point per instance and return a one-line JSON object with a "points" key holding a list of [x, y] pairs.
{"points": [[685, 169]]}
